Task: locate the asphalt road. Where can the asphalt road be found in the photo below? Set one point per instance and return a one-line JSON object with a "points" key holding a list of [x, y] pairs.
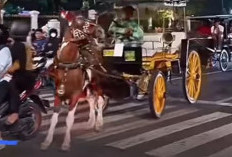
{"points": [[185, 130]]}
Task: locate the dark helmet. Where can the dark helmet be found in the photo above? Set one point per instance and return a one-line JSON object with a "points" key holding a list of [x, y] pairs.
{"points": [[4, 34], [53, 33], [19, 30]]}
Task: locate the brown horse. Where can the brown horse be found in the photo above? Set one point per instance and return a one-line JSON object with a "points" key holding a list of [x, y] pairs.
{"points": [[70, 82], [70, 74]]}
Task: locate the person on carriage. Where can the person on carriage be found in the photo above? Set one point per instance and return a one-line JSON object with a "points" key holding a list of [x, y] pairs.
{"points": [[126, 29], [217, 32]]}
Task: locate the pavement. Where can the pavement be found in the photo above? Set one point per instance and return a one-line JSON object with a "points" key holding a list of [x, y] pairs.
{"points": [[203, 129]]}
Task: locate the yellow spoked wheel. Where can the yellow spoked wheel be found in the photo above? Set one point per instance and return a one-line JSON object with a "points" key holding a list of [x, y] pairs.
{"points": [[157, 94], [193, 77]]}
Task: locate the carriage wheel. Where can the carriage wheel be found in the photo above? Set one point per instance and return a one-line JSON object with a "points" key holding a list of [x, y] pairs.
{"points": [[157, 94], [224, 60], [193, 77]]}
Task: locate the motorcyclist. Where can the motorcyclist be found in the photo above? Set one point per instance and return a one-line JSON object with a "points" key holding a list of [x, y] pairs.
{"points": [[52, 45], [40, 40], [5, 65], [21, 71]]}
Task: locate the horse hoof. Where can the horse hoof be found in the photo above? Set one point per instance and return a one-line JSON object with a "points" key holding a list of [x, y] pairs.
{"points": [[65, 148], [2, 147], [98, 128], [44, 146]]}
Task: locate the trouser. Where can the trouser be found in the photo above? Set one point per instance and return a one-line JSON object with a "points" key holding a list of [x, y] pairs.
{"points": [[24, 80], [218, 39], [4, 91], [20, 82], [8, 93]]}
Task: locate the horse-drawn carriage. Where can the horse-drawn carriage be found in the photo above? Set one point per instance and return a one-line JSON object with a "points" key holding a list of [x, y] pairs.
{"points": [[222, 55], [151, 62]]}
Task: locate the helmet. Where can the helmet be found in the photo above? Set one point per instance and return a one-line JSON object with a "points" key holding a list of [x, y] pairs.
{"points": [[19, 30], [53, 33], [4, 34]]}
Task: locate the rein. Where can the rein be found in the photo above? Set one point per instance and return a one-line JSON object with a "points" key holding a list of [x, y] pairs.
{"points": [[105, 74]]}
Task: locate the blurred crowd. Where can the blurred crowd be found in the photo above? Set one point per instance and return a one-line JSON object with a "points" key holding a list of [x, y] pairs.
{"points": [[46, 43]]}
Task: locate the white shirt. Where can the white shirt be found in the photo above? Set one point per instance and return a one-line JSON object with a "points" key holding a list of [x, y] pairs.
{"points": [[5, 62], [214, 31]]}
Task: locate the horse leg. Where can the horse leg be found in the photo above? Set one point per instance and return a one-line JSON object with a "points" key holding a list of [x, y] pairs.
{"points": [[69, 123], [54, 120], [1, 146], [48, 140], [99, 109], [92, 117]]}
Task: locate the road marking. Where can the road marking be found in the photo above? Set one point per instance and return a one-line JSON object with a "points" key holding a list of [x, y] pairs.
{"points": [[202, 102], [223, 153], [137, 124], [107, 119], [224, 100], [191, 142], [157, 133], [126, 106], [115, 118]]}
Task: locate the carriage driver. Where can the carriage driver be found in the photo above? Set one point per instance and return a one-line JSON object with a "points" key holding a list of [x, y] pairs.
{"points": [[126, 29], [217, 32]]}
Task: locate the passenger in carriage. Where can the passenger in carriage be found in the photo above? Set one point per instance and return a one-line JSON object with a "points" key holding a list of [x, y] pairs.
{"points": [[205, 29], [217, 31], [126, 29]]}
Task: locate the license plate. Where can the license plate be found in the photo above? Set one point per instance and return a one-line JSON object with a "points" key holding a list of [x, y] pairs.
{"points": [[108, 53], [129, 56]]}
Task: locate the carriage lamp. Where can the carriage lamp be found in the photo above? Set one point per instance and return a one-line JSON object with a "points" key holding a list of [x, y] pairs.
{"points": [[168, 39]]}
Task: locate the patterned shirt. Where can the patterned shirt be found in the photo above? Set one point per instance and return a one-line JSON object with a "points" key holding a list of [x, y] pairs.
{"points": [[119, 28]]}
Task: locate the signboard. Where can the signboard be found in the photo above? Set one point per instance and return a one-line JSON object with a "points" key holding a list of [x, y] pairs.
{"points": [[175, 3], [118, 49]]}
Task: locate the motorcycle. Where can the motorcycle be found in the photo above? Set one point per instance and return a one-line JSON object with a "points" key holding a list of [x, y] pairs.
{"points": [[30, 116]]}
